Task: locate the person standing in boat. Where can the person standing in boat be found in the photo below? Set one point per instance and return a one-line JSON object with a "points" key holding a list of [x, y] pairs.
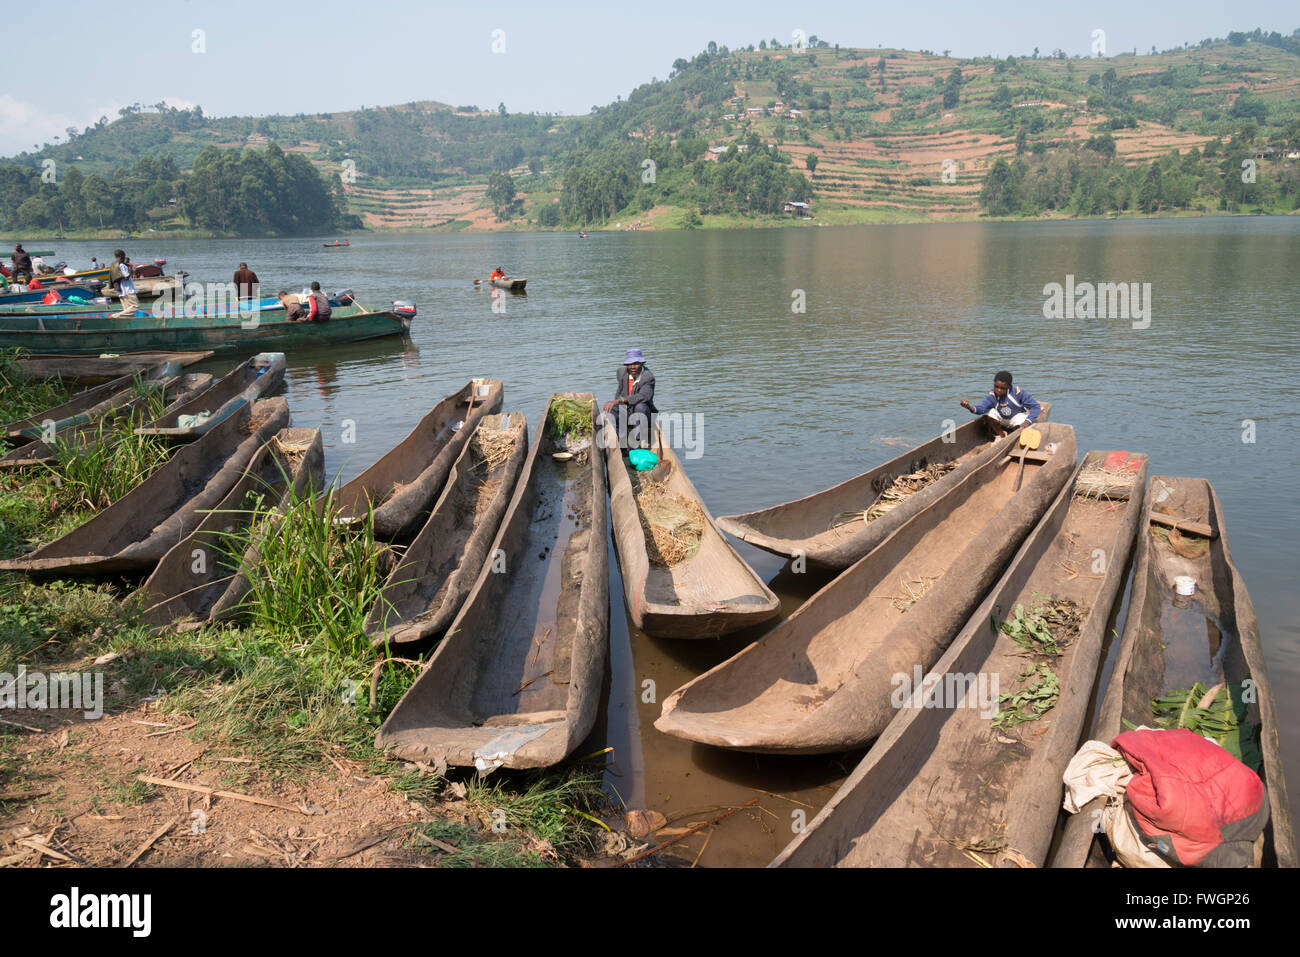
{"points": [[635, 400], [121, 279], [246, 282], [22, 263], [318, 305], [1006, 407]]}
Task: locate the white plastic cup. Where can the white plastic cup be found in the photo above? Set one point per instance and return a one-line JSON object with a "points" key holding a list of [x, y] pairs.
{"points": [[1185, 585]]}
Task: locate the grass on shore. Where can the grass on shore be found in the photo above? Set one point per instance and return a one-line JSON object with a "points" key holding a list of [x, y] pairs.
{"points": [[288, 685]]}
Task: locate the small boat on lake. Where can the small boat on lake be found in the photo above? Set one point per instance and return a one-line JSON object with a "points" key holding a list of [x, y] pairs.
{"points": [[835, 527], [516, 682], [253, 331], [957, 771], [821, 680], [336, 244], [510, 285], [400, 488], [438, 570], [1215, 630], [250, 381], [681, 577], [133, 533]]}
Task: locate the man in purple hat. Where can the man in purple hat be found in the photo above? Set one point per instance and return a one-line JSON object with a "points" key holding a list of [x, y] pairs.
{"points": [[635, 399]]}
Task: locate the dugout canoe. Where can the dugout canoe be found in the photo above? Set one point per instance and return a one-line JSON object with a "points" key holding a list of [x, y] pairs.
{"points": [[805, 527], [1163, 642], [199, 573], [133, 533], [517, 680], [176, 392], [87, 405], [266, 330], [248, 382], [510, 285], [820, 682], [941, 778], [89, 370], [710, 593], [401, 486], [436, 573]]}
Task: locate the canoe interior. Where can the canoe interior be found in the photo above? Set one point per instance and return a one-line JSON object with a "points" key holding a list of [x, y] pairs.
{"points": [[710, 593], [251, 380], [1169, 643], [134, 532], [427, 588], [512, 285], [808, 525], [124, 407], [198, 570], [820, 681], [517, 680], [403, 485], [941, 778], [79, 403]]}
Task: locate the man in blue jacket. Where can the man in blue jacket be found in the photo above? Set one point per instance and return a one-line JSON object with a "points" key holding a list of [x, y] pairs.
{"points": [[635, 399], [1006, 407]]}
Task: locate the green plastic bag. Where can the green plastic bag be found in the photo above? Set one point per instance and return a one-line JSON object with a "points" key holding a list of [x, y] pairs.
{"points": [[643, 460]]}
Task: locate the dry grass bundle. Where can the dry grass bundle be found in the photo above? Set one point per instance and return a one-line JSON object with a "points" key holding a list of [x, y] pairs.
{"points": [[1187, 547], [915, 588], [674, 525], [899, 490], [492, 447], [257, 419], [1099, 483]]}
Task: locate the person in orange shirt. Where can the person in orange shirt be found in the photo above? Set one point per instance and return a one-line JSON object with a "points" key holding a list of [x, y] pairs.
{"points": [[496, 274]]}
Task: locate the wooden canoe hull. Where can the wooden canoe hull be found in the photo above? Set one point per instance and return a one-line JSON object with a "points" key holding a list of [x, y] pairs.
{"points": [[133, 533], [194, 575], [940, 775], [1138, 674], [91, 370], [803, 527], [510, 285], [712, 593], [176, 390], [250, 381], [439, 569], [516, 682], [820, 682], [93, 335], [403, 485], [85, 406]]}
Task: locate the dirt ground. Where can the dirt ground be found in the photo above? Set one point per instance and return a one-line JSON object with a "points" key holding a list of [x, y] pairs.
{"points": [[77, 800]]}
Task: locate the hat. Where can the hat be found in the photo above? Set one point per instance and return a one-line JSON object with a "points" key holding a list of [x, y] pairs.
{"points": [[633, 355]]}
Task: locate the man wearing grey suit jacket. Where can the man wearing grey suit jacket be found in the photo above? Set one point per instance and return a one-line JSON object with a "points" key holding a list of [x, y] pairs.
{"points": [[635, 399]]}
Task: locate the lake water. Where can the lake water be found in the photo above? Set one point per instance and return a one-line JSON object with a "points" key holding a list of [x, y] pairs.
{"points": [[900, 323]]}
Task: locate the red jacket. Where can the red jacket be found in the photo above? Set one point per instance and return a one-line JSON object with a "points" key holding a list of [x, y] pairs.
{"points": [[1191, 801]]}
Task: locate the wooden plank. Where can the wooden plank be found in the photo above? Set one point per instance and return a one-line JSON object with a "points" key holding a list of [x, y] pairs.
{"points": [[1183, 525]]}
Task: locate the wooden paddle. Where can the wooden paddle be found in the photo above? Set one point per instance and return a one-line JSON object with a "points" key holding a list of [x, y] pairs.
{"points": [[1029, 439]]}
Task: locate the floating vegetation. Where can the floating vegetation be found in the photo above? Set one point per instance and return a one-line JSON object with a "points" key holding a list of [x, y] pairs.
{"points": [[1032, 701], [1047, 628], [898, 491], [1219, 713]]}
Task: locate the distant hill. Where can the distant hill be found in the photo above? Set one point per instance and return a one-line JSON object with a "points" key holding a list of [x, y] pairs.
{"points": [[732, 136]]}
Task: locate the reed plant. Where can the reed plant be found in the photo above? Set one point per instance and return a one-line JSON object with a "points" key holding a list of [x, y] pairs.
{"points": [[99, 465], [21, 397]]}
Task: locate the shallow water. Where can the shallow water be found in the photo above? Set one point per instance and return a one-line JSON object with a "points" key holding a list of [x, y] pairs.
{"points": [[901, 322]]}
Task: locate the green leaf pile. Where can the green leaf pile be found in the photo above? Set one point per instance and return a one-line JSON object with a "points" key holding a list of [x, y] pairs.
{"points": [[1224, 721], [1032, 701]]}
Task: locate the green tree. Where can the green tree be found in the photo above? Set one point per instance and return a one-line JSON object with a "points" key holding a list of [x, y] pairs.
{"points": [[1149, 195], [501, 193], [811, 163]]}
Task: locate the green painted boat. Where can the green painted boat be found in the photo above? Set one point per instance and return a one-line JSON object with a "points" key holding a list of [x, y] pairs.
{"points": [[263, 332]]}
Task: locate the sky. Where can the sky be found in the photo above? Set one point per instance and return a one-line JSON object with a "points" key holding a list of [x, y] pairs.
{"points": [[239, 57]]}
